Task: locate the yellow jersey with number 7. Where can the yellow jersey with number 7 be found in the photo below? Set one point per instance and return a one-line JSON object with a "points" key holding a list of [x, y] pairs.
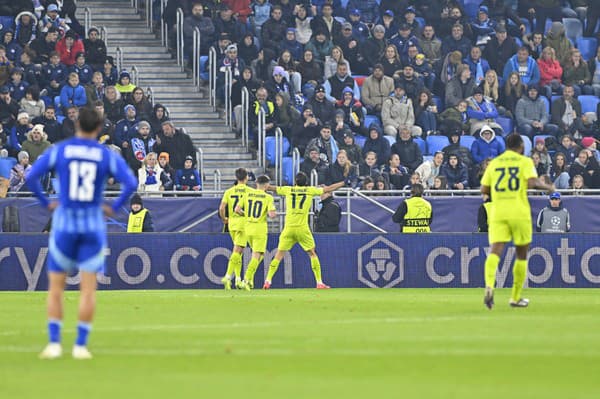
{"points": [[233, 197], [298, 201], [507, 177]]}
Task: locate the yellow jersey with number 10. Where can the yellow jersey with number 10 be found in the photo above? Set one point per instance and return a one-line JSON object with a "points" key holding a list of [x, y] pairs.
{"points": [[257, 205], [233, 197], [507, 177], [298, 201]]}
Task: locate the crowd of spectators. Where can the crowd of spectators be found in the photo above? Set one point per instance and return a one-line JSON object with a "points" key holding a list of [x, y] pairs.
{"points": [[49, 69], [360, 86]]}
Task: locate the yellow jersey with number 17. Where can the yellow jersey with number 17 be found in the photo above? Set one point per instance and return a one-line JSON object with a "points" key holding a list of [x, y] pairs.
{"points": [[298, 201], [233, 197], [507, 177]]}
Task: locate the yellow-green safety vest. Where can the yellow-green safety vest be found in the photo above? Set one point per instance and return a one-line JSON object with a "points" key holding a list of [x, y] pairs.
{"points": [[418, 214], [136, 221]]}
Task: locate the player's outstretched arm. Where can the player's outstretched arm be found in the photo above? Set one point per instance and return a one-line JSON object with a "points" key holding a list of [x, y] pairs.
{"points": [[271, 188], [334, 186], [538, 184]]}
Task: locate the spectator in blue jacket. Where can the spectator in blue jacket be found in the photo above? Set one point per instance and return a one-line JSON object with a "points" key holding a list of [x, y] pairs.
{"points": [[83, 70], [456, 174], [126, 128], [524, 65], [404, 39], [53, 76], [291, 44], [73, 93], [188, 178], [359, 29], [31, 73], [483, 27], [477, 65], [17, 85], [110, 76], [13, 48], [18, 133], [389, 23], [482, 112], [367, 9], [262, 12], [487, 145]]}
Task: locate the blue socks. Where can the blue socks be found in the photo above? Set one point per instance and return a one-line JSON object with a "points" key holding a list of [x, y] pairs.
{"points": [[54, 327], [83, 330]]}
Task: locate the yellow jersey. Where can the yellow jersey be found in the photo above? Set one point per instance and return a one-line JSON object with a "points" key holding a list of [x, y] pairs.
{"points": [[298, 201], [257, 205], [233, 197], [507, 177]]}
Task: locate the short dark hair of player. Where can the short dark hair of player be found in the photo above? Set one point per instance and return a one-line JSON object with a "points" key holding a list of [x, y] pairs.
{"points": [[241, 174], [514, 141], [263, 180], [416, 190], [301, 179], [89, 120]]}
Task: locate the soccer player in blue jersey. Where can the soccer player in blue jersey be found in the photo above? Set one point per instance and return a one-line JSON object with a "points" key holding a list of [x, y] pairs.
{"points": [[78, 236]]}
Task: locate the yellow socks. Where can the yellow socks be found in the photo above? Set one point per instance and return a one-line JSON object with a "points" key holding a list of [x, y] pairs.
{"points": [[519, 275], [272, 269], [491, 265], [315, 265], [236, 264], [252, 266]]}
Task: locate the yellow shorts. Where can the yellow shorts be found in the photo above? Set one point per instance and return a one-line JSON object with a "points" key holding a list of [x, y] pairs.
{"points": [[257, 242], [239, 238], [302, 236], [517, 231]]}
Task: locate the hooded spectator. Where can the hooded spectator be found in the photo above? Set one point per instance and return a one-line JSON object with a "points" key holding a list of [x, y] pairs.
{"points": [[486, 146], [456, 174], [353, 111], [463, 153], [408, 151], [353, 150], [310, 69], [18, 133], [320, 45], [159, 115], [125, 86], [36, 143], [26, 28], [279, 84], [247, 49], [557, 39], [188, 178], [378, 144]]}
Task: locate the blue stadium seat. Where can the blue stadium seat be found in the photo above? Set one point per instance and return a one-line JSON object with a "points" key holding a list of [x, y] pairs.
{"points": [[525, 22], [439, 102], [519, 42], [6, 164], [573, 28], [391, 140], [60, 118], [344, 3], [528, 146], [204, 70], [467, 141], [421, 21], [588, 103], [436, 143], [588, 47], [360, 140], [7, 22], [547, 103], [57, 107], [471, 9], [270, 143], [370, 119], [421, 143], [506, 123], [288, 170]]}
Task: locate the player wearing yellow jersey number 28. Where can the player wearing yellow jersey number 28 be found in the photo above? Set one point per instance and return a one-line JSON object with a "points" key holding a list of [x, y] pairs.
{"points": [[507, 179], [235, 222], [298, 200]]}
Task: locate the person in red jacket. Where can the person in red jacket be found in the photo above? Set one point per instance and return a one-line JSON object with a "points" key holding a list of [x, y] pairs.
{"points": [[68, 47], [240, 8], [550, 73]]}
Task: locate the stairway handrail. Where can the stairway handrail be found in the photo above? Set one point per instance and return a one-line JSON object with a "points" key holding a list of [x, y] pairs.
{"points": [[228, 84], [104, 35], [200, 162], [295, 164], [314, 178], [150, 94], [135, 72], [245, 107], [212, 60], [149, 14], [196, 59], [164, 33], [278, 156], [179, 30], [217, 179], [119, 58], [261, 136], [87, 20]]}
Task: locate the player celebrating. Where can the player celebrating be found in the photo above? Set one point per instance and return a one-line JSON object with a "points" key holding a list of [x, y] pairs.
{"points": [[507, 179], [78, 235], [257, 205], [233, 197], [298, 200]]}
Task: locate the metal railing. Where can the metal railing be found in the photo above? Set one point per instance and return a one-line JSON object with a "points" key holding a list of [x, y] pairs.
{"points": [[261, 136], [149, 14], [212, 61], [296, 158], [135, 75], [196, 59], [87, 20], [217, 177], [199, 162], [104, 35], [134, 4], [179, 30], [228, 84], [164, 32], [150, 95], [119, 59], [245, 128], [278, 157]]}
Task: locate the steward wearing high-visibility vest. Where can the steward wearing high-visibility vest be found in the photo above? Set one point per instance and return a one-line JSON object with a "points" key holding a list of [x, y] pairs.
{"points": [[140, 220], [414, 214]]}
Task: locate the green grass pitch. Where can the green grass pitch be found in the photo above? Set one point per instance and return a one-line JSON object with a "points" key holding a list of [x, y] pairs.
{"points": [[341, 343]]}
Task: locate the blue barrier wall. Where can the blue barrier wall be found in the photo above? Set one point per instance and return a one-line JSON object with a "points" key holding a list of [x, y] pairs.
{"points": [[159, 261], [450, 214]]}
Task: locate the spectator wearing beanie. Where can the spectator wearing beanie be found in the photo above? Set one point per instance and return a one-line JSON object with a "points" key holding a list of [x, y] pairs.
{"points": [[140, 220], [323, 108], [590, 144], [408, 151], [18, 173], [279, 84], [36, 143], [68, 47], [352, 149], [125, 128], [18, 133], [168, 175], [109, 72], [141, 145], [353, 112], [378, 144], [124, 86], [373, 48], [188, 178], [482, 111]]}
